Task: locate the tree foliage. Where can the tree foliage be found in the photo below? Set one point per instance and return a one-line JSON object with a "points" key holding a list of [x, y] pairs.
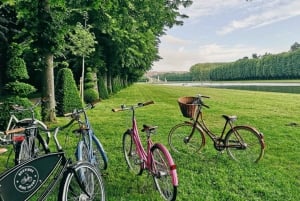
{"points": [[125, 35]]}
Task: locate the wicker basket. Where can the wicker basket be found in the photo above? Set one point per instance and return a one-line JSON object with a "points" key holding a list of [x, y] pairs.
{"points": [[187, 107]]}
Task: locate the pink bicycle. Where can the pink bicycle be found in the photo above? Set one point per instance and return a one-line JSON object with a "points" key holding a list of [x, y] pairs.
{"points": [[156, 159]]}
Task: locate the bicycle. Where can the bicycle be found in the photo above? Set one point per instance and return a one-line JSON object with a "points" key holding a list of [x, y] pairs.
{"points": [[78, 181], [25, 145], [242, 143], [156, 159], [89, 147]]}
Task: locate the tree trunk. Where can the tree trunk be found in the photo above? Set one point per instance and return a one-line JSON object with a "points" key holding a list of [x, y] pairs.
{"points": [[48, 112], [109, 83]]}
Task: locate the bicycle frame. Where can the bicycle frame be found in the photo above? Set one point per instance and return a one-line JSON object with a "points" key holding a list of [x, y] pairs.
{"points": [[198, 121], [87, 137], [92, 137], [144, 156]]}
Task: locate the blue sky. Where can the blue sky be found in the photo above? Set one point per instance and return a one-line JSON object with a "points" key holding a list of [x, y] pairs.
{"points": [[227, 30]]}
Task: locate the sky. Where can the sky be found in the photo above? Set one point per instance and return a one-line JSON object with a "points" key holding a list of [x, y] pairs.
{"points": [[228, 30]]}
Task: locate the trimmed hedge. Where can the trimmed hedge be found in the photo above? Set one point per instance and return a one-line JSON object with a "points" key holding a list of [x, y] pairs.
{"points": [[90, 92], [66, 93]]}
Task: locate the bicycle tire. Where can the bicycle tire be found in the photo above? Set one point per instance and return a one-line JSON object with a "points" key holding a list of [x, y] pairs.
{"points": [[181, 141], [82, 181], [132, 158], [164, 172], [36, 146], [24, 153], [82, 153], [101, 159], [244, 144]]}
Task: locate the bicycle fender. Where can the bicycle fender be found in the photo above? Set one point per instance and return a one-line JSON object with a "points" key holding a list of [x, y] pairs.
{"points": [[172, 165]]}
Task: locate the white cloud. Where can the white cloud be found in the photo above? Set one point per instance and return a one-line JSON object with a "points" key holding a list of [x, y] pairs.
{"points": [[197, 41], [182, 58], [269, 14], [208, 7]]}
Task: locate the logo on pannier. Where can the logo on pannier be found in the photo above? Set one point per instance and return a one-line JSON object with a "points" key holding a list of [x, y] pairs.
{"points": [[26, 179]]}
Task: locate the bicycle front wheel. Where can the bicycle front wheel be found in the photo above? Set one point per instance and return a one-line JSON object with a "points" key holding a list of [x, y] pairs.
{"points": [[82, 152], [130, 153], [100, 157], [244, 144], [82, 182], [183, 139], [164, 172]]}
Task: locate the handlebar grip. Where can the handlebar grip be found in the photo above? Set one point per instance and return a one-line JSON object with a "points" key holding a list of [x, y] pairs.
{"points": [[205, 105], [117, 109], [205, 96], [15, 130], [148, 103], [68, 114]]}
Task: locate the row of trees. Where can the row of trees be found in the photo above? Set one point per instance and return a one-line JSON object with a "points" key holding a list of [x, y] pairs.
{"points": [[280, 66], [117, 39], [285, 65]]}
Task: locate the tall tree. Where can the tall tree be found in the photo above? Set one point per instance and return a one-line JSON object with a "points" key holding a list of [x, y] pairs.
{"points": [[45, 26], [82, 43]]}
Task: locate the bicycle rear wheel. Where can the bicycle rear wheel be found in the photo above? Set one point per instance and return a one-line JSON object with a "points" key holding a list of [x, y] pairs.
{"points": [[30, 147], [40, 144], [164, 172], [130, 153], [182, 140], [244, 144], [82, 182], [23, 151]]}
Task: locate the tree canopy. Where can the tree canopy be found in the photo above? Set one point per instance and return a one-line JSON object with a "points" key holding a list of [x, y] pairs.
{"points": [[126, 37]]}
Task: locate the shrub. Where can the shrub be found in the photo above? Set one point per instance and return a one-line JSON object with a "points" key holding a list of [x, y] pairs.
{"points": [[16, 72], [90, 92], [19, 88], [66, 93], [90, 95]]}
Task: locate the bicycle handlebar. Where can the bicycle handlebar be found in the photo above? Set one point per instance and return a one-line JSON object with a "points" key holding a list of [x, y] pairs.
{"points": [[15, 130], [132, 107], [76, 112], [199, 100], [20, 108]]}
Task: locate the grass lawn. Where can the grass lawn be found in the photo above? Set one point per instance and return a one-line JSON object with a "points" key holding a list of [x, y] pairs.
{"points": [[209, 175]]}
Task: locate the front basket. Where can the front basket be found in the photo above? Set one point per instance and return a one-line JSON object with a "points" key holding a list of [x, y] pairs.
{"points": [[187, 107]]}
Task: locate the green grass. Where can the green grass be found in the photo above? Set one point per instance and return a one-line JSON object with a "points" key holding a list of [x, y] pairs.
{"points": [[208, 176]]}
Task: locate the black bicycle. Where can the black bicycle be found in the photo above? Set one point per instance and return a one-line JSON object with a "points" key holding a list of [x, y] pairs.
{"points": [[29, 144], [243, 143], [77, 181]]}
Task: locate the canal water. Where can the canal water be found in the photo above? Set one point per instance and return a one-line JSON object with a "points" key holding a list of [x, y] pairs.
{"points": [[283, 87]]}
